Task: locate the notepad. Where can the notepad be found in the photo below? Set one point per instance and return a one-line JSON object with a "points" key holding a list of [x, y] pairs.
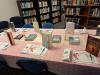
{"points": [[31, 37]]}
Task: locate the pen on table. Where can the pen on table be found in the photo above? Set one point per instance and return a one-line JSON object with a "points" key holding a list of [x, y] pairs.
{"points": [[42, 50], [91, 58]]}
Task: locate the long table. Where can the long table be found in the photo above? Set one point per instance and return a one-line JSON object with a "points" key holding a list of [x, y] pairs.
{"points": [[54, 55]]}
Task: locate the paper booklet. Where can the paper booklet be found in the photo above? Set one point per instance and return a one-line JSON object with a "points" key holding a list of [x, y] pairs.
{"points": [[34, 49], [83, 57]]}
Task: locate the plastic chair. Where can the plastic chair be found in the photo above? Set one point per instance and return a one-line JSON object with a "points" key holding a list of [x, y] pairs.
{"points": [[18, 21], [47, 25], [3, 24], [34, 67], [28, 25]]}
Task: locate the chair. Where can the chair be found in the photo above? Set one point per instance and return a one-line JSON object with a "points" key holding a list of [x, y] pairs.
{"points": [[18, 21], [34, 67], [3, 25], [78, 26], [28, 25], [48, 25]]}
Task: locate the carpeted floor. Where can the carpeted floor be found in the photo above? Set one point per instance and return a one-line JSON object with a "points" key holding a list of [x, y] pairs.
{"points": [[60, 25]]}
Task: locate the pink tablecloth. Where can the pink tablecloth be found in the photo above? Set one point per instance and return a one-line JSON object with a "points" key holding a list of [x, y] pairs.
{"points": [[54, 55]]}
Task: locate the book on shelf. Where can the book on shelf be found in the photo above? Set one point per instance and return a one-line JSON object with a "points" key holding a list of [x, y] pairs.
{"points": [[26, 4], [95, 12], [72, 11], [93, 45]]}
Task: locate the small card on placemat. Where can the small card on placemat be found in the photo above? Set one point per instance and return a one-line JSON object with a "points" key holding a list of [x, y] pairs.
{"points": [[31, 37], [3, 45], [67, 55], [56, 39], [75, 40]]}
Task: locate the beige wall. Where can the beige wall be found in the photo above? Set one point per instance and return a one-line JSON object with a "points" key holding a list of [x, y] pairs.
{"points": [[8, 8]]}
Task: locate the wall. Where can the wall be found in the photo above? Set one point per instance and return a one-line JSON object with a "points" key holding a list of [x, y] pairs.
{"points": [[8, 8]]}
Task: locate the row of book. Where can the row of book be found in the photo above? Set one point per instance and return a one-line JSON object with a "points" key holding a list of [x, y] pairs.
{"points": [[75, 20], [29, 13], [30, 20], [44, 10], [43, 3], [95, 12], [55, 20], [55, 14], [43, 17], [26, 4], [72, 11], [81, 2], [55, 8], [55, 2]]}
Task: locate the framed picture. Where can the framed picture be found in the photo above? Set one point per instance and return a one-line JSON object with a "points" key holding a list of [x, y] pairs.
{"points": [[93, 45]]}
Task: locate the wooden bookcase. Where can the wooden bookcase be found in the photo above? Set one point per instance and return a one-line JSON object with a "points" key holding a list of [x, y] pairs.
{"points": [[85, 13], [40, 10]]}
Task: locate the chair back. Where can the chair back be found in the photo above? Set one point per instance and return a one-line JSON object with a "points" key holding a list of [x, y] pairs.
{"points": [[4, 24], [32, 66], [47, 25], [18, 21], [28, 25]]}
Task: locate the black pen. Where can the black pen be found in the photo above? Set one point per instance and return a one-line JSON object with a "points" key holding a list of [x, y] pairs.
{"points": [[42, 50], [91, 58]]}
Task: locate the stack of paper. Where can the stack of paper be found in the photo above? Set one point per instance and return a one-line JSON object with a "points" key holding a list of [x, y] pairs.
{"points": [[3, 45], [83, 57], [34, 49], [40, 50]]}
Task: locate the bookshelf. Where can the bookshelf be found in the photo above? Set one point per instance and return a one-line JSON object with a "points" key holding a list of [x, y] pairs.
{"points": [[56, 11], [44, 11], [27, 10], [40, 10], [85, 13]]}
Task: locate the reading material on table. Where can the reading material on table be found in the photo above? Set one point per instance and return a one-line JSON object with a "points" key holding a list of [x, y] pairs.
{"points": [[67, 55], [34, 49], [30, 37], [93, 45], [56, 39], [4, 46], [75, 40], [83, 57]]}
